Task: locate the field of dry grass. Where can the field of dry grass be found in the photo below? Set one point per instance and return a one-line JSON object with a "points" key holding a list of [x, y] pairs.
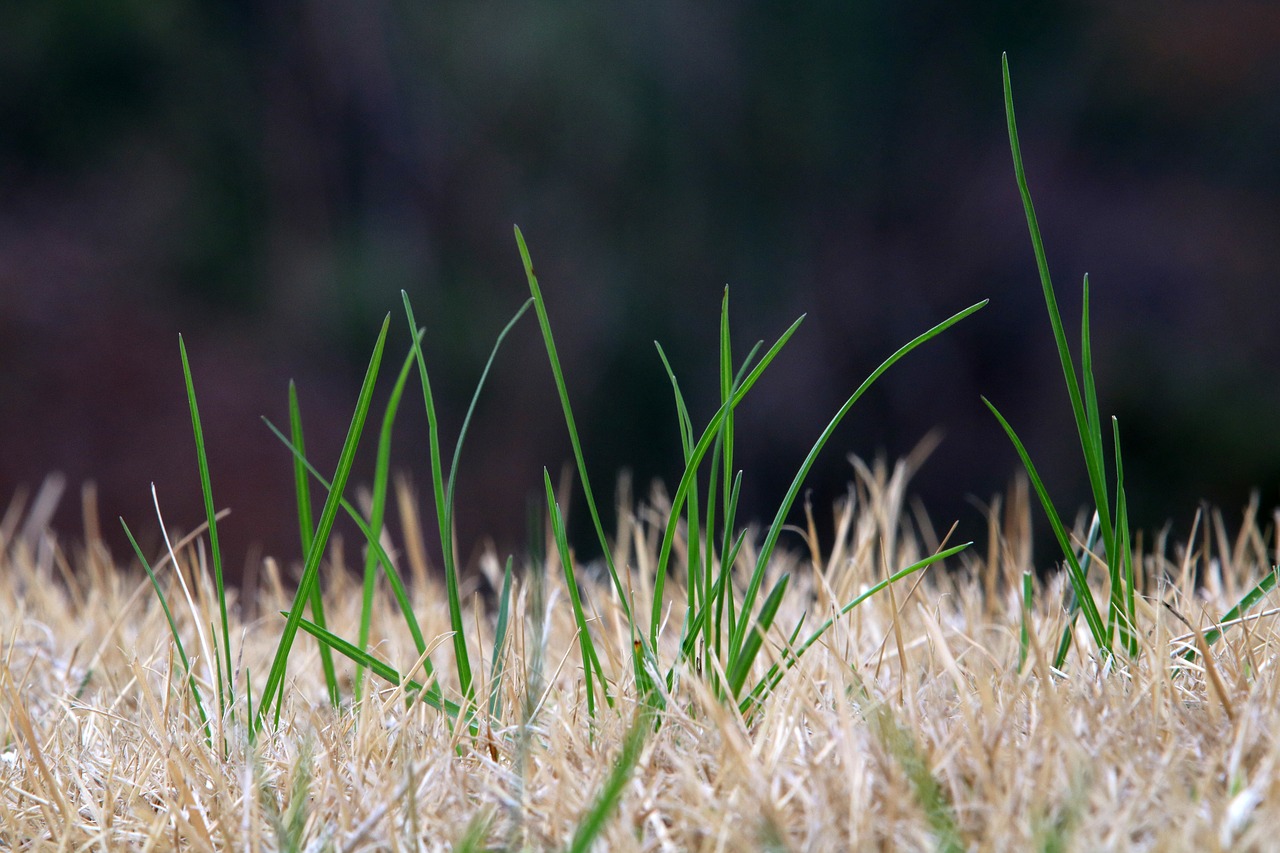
{"points": [[911, 726]]}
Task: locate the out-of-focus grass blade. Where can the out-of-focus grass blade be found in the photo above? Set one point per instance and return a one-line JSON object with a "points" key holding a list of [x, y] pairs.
{"points": [[594, 821]]}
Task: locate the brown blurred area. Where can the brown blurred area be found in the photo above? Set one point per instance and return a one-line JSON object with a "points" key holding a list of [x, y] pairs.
{"points": [[264, 178]]}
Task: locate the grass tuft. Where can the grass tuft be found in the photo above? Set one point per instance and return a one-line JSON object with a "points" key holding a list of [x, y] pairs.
{"points": [[682, 698]]}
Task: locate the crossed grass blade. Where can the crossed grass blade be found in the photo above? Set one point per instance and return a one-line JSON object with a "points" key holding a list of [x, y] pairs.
{"points": [[372, 539], [430, 695], [273, 691]]}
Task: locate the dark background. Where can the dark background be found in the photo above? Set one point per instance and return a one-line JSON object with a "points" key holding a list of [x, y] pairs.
{"points": [[266, 177]]}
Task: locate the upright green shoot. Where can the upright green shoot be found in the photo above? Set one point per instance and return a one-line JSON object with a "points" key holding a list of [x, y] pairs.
{"points": [[226, 694], [1084, 406], [444, 488], [306, 529]]}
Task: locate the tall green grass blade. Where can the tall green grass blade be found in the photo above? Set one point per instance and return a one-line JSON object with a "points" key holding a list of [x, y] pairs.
{"points": [[306, 523], [306, 529], [177, 638], [590, 662], [697, 588], [445, 490], [1123, 584], [461, 657], [1084, 404], [1042, 264], [709, 435], [1079, 581], [1095, 463], [225, 691], [273, 693], [775, 529], [553, 356]]}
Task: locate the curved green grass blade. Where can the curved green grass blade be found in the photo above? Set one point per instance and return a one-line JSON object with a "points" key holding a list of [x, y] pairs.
{"points": [[791, 656], [431, 696], [775, 529], [1084, 596]]}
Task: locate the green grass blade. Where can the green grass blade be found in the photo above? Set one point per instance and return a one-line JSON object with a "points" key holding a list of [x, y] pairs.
{"points": [[791, 656], [1070, 601], [371, 539], [689, 477], [697, 586], [1084, 596], [1247, 603], [553, 356], [594, 821], [378, 506], [1024, 635], [1091, 430], [775, 529], [751, 646], [590, 662], [431, 696], [306, 523], [273, 691], [225, 692], [462, 659], [305, 529], [173, 629], [1042, 264], [1123, 582]]}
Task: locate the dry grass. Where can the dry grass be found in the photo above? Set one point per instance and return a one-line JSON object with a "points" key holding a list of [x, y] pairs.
{"points": [[909, 728]]}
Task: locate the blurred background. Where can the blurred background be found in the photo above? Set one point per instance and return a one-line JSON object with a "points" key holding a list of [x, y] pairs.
{"points": [[265, 178]]}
